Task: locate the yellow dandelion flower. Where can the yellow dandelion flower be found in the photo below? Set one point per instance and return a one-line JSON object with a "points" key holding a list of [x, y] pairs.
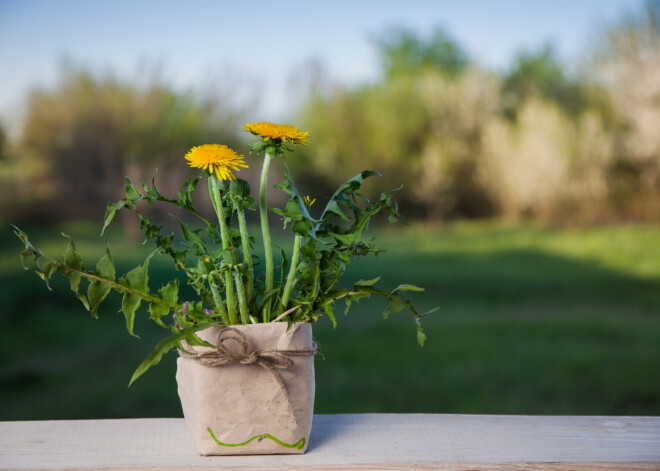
{"points": [[284, 132], [308, 202], [216, 158]]}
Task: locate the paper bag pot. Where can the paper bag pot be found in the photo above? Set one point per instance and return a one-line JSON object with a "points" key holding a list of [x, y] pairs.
{"points": [[250, 405]]}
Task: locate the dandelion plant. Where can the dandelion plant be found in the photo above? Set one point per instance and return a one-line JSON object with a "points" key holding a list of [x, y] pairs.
{"points": [[217, 255]]}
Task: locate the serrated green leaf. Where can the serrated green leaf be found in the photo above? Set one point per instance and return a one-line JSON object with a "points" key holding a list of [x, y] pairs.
{"points": [[327, 309], [111, 214], [188, 187], [163, 347], [430, 311], [284, 186], [362, 292], [129, 304], [138, 277], [75, 265], [386, 312], [354, 183], [131, 193], [292, 210], [137, 280], [145, 187], [367, 282], [347, 300], [48, 268], [191, 236], [169, 294], [97, 290], [346, 239], [297, 198], [309, 250], [395, 304], [333, 208], [406, 287], [267, 295], [28, 257], [301, 227], [421, 337], [71, 257]]}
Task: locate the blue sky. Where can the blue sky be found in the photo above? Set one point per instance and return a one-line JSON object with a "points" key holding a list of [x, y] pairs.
{"points": [[264, 44]]}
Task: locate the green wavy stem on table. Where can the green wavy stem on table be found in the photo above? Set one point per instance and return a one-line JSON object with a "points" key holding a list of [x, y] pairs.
{"points": [[265, 234], [300, 444], [226, 244]]}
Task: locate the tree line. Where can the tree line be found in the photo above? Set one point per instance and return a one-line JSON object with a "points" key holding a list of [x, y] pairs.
{"points": [[538, 141]]}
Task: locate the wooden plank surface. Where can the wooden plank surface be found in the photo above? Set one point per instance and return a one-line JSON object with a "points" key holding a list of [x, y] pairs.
{"points": [[351, 441]]}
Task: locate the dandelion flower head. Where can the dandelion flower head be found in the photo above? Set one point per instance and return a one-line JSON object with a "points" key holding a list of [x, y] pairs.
{"points": [[216, 159], [283, 132]]}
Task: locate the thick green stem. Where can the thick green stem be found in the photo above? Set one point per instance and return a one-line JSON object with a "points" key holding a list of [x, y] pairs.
{"points": [[265, 233], [242, 302], [247, 256], [292, 272], [217, 301], [226, 245]]}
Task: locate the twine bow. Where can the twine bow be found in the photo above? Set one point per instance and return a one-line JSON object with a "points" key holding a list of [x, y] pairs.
{"points": [[234, 348]]}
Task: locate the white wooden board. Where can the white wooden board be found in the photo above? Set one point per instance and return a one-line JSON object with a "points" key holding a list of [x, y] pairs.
{"points": [[351, 441]]}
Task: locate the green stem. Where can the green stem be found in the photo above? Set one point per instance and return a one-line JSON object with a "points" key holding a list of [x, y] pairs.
{"points": [[265, 234], [242, 302], [114, 285], [217, 301], [247, 256], [292, 272], [226, 245]]}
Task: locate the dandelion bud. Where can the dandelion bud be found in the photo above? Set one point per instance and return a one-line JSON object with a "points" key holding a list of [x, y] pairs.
{"points": [[239, 188]]}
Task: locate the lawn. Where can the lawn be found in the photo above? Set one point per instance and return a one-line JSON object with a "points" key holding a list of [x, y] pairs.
{"points": [[533, 321]]}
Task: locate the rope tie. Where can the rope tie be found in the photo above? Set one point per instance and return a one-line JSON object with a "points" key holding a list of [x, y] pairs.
{"points": [[234, 348]]}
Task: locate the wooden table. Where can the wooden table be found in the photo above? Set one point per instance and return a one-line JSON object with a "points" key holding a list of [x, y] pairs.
{"points": [[351, 441]]}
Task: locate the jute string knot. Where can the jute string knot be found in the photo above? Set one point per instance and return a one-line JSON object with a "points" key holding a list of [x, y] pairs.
{"points": [[234, 348]]}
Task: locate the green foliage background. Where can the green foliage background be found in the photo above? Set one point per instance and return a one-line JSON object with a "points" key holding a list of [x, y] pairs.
{"points": [[533, 321]]}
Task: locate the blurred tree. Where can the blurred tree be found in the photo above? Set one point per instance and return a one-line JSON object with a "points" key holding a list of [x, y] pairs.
{"points": [[421, 125], [92, 130], [537, 142], [628, 59], [541, 74], [404, 52], [3, 142]]}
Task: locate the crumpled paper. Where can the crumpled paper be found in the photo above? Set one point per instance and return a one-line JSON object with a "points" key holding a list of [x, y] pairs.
{"points": [[239, 409]]}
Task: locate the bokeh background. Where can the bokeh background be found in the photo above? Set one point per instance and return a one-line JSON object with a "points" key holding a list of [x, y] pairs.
{"points": [[526, 135]]}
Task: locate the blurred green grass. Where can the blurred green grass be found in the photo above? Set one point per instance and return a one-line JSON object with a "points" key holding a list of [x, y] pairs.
{"points": [[533, 321]]}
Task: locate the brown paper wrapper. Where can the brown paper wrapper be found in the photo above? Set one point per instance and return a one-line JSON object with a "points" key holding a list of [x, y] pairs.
{"points": [[227, 406]]}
